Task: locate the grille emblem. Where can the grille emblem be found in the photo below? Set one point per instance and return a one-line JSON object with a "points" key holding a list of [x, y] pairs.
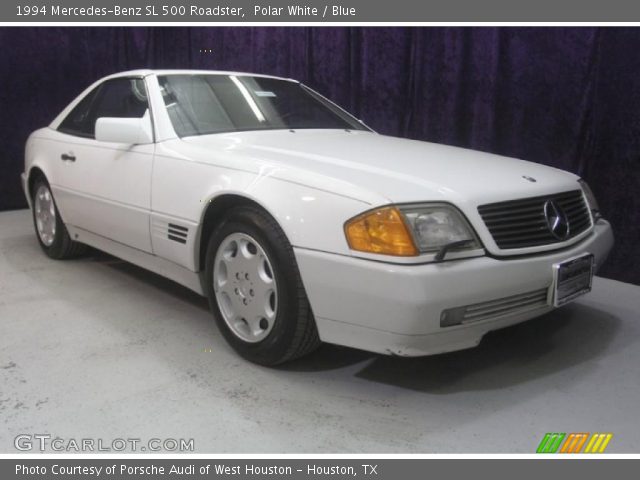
{"points": [[556, 220]]}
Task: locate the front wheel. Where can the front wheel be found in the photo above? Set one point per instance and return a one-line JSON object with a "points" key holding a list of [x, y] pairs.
{"points": [[255, 290]]}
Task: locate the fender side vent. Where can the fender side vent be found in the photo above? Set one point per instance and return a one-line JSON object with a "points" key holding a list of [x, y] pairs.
{"points": [[178, 233]]}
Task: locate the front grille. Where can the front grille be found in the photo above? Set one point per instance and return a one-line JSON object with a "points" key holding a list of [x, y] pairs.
{"points": [[507, 306], [522, 223]]}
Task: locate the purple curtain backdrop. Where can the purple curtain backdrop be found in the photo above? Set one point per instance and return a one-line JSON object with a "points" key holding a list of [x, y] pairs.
{"points": [[567, 97]]}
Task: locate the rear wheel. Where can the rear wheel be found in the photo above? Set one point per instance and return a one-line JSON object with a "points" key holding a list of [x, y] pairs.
{"points": [[50, 230], [255, 290]]}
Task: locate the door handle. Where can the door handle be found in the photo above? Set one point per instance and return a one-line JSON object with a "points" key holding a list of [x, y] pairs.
{"points": [[68, 157]]}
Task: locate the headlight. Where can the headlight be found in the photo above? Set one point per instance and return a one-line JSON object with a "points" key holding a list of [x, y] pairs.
{"points": [[591, 199], [410, 230], [438, 225]]}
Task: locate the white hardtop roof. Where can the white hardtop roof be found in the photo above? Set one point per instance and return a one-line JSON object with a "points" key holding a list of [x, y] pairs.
{"points": [[146, 72]]}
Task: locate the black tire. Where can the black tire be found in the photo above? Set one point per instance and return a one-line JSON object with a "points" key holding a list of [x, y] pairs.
{"points": [[294, 332], [62, 246]]}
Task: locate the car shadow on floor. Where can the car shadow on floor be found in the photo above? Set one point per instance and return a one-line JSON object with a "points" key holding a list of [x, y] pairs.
{"points": [[573, 335], [157, 281]]}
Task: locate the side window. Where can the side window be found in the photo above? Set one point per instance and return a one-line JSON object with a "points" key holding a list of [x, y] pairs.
{"points": [[120, 97], [77, 122]]}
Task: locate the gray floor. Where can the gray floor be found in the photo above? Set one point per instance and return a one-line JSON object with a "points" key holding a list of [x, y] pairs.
{"points": [[98, 348]]}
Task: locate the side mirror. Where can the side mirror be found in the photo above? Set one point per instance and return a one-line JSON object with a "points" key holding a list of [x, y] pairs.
{"points": [[131, 131]]}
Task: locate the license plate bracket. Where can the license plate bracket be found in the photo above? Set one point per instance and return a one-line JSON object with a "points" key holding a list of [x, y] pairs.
{"points": [[571, 279]]}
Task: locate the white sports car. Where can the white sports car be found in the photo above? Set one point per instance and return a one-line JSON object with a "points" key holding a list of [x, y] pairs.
{"points": [[302, 225]]}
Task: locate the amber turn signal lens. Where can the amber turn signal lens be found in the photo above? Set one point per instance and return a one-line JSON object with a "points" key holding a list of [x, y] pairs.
{"points": [[381, 231]]}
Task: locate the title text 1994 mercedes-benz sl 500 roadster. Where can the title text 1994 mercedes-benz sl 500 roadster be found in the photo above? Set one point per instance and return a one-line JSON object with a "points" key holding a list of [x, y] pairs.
{"points": [[302, 225]]}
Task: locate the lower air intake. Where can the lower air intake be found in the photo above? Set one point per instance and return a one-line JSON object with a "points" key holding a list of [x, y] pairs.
{"points": [[493, 309]]}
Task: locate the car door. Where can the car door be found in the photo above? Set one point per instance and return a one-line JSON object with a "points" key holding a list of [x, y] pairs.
{"points": [[102, 187]]}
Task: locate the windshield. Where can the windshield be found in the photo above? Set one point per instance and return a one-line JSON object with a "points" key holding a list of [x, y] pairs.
{"points": [[205, 104]]}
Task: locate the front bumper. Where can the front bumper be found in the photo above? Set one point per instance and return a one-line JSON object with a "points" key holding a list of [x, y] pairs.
{"points": [[396, 309]]}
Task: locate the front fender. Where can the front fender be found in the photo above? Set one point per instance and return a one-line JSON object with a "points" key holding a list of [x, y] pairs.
{"points": [[183, 189], [310, 218]]}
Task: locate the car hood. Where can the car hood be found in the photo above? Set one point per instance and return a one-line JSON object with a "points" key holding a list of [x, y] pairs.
{"points": [[381, 169]]}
